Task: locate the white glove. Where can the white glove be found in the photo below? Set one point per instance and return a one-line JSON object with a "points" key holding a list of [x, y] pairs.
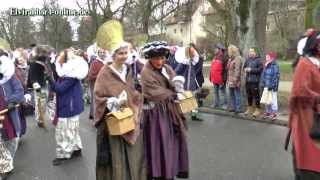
{"points": [[123, 98], [36, 86], [113, 104], [180, 96], [179, 83], [27, 98]]}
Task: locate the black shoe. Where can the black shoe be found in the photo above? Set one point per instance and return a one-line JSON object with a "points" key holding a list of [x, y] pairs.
{"points": [[76, 153], [40, 124], [91, 117], [195, 118], [58, 161]]}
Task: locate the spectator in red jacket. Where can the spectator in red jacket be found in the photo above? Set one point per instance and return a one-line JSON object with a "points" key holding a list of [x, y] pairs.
{"points": [[217, 71]]}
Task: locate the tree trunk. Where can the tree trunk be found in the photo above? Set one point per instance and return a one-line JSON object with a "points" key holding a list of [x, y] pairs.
{"points": [[310, 6], [252, 15]]}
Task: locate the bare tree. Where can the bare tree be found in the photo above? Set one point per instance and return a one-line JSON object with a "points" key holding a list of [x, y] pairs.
{"points": [[103, 10], [25, 32], [245, 21], [8, 28], [152, 11], [312, 13], [55, 30]]}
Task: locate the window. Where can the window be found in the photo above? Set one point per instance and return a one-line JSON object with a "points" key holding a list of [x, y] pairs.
{"points": [[181, 30], [175, 31]]}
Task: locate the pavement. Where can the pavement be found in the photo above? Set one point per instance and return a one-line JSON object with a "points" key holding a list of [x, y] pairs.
{"points": [[282, 117], [220, 148]]}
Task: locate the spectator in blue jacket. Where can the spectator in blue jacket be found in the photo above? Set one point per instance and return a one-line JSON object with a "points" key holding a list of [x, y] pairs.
{"points": [[270, 80], [71, 69]]}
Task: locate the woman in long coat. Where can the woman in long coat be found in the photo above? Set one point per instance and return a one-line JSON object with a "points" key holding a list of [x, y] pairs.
{"points": [[304, 101], [164, 127], [118, 157]]}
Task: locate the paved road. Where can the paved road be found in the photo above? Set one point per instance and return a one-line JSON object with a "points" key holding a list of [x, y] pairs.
{"points": [[221, 148]]}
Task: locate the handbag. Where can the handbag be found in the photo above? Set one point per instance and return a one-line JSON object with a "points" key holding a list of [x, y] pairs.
{"points": [[266, 97], [188, 103], [315, 129], [120, 122]]}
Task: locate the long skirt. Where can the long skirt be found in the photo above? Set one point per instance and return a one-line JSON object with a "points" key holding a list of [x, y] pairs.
{"points": [[6, 159], [67, 137], [118, 160], [165, 144], [301, 174]]}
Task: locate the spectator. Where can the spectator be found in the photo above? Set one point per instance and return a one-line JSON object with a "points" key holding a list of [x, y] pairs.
{"points": [[234, 78], [270, 81], [253, 68], [217, 76]]}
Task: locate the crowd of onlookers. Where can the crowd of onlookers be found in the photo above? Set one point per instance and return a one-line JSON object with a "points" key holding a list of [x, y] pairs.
{"points": [[244, 78]]}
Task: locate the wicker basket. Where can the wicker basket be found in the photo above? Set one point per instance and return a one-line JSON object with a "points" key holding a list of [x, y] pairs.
{"points": [[120, 122], [188, 103]]}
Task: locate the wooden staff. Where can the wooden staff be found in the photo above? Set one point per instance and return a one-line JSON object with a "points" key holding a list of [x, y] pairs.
{"points": [[41, 113], [2, 117]]}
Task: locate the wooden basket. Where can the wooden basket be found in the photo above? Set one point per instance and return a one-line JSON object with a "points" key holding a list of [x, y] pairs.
{"points": [[120, 122], [188, 104]]}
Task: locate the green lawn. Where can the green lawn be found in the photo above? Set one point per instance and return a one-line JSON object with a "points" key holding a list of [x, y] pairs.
{"points": [[285, 70]]}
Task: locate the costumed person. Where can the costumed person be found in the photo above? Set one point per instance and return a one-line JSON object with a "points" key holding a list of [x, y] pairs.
{"points": [[71, 69], [253, 68], [165, 128], [234, 79], [301, 44], [92, 52], [187, 59], [11, 94], [37, 82], [95, 67], [270, 82], [120, 156], [134, 62], [171, 59], [20, 57], [218, 76], [304, 104]]}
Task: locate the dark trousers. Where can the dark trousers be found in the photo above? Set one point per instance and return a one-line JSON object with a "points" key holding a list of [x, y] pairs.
{"points": [[253, 94]]}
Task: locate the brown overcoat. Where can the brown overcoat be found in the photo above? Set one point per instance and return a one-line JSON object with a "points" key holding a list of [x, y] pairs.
{"points": [[118, 157]]}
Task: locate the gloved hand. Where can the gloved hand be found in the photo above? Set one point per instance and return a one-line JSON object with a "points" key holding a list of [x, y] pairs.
{"points": [[36, 86], [179, 83], [122, 102], [180, 96], [11, 106], [27, 98], [113, 104]]}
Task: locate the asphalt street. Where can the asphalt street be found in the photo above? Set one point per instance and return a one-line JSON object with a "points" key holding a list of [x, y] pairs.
{"points": [[220, 148]]}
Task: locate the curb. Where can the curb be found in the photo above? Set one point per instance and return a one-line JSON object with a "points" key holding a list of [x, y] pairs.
{"points": [[280, 121]]}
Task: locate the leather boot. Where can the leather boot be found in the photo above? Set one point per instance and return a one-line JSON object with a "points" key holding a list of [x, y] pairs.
{"points": [[249, 111]]}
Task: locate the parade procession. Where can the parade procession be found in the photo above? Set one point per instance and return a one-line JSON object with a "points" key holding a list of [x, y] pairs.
{"points": [[160, 90]]}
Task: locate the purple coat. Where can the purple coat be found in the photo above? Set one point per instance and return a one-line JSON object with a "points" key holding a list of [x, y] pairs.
{"points": [[12, 92], [69, 97]]}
